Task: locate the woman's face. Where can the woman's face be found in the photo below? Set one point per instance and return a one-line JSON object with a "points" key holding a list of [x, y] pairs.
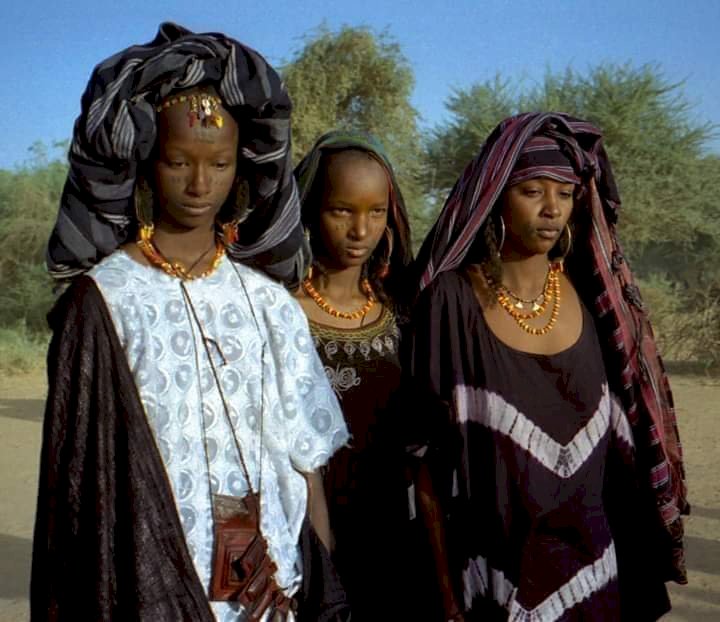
{"points": [[535, 213], [354, 208], [195, 168]]}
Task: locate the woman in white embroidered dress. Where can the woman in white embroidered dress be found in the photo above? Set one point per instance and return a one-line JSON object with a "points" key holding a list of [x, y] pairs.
{"points": [[222, 367]]}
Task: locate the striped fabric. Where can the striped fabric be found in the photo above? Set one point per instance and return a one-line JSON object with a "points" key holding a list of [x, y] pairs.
{"points": [[603, 278], [116, 132]]}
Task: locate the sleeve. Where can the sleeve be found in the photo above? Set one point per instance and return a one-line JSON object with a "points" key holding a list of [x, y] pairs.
{"points": [[432, 354], [309, 414]]}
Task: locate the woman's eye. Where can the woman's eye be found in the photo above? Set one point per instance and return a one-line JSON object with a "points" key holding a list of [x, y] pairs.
{"points": [[177, 163], [379, 211], [221, 166]]}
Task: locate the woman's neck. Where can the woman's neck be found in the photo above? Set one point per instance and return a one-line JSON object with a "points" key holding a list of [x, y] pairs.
{"points": [[183, 245], [340, 285], [525, 276]]}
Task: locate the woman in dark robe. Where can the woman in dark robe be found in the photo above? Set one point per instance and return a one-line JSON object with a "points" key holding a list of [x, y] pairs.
{"points": [[551, 475], [355, 216], [187, 407]]}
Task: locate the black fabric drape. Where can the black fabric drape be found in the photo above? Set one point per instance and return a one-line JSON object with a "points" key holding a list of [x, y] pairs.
{"points": [[108, 542]]}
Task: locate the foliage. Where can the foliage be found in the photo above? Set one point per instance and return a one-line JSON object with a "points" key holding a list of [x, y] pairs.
{"points": [[29, 197], [670, 221], [355, 79], [21, 350]]}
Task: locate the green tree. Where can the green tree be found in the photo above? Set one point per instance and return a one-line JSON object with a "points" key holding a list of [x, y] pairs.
{"points": [[355, 79], [29, 198]]}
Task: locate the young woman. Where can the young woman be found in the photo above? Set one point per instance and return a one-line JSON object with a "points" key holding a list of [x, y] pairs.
{"points": [[354, 214], [552, 478], [187, 414]]}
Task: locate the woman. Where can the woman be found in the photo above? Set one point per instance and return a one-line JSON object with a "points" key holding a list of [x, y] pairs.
{"points": [[552, 476], [187, 414], [354, 213]]}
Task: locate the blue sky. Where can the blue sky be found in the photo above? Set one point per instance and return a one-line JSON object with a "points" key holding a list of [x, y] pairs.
{"points": [[48, 49]]}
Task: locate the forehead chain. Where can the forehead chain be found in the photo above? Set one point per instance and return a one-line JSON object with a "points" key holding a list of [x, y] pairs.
{"points": [[203, 108]]}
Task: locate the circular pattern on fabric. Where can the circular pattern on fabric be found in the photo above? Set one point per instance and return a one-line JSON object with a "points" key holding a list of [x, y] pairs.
{"points": [[181, 343], [231, 316], [230, 381], [184, 377], [236, 484], [304, 385], [265, 296], [304, 444], [209, 417], [321, 420], [185, 485], [113, 278], [232, 348], [175, 311], [303, 342], [151, 315]]}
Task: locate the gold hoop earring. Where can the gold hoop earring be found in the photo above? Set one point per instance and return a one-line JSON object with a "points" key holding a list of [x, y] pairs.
{"points": [[384, 268], [502, 237], [568, 246]]}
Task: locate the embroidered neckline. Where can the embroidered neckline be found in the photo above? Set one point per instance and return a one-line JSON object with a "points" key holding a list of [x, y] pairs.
{"points": [[380, 326]]}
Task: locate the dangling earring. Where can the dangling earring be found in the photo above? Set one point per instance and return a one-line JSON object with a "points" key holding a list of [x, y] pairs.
{"points": [[143, 199], [502, 237], [568, 246], [230, 233], [384, 268]]}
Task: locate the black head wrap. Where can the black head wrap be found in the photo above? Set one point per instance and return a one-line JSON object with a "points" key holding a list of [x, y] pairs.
{"points": [[116, 132]]}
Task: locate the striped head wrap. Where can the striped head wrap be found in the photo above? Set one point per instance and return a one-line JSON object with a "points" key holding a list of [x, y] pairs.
{"points": [[603, 278], [542, 156], [306, 174], [116, 132]]}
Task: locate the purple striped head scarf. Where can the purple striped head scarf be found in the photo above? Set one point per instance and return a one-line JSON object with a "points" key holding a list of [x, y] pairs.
{"points": [[518, 149], [116, 132], [542, 156]]}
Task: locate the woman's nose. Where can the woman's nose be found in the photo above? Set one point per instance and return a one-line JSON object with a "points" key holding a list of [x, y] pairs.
{"points": [[199, 183]]}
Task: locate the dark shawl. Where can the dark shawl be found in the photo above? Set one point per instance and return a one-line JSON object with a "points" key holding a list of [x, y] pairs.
{"points": [[116, 131], [604, 280], [108, 542]]}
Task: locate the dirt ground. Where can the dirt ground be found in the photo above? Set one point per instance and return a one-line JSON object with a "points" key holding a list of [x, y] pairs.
{"points": [[698, 405]]}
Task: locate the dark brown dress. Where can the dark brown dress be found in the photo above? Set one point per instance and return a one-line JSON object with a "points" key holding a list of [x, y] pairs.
{"points": [[365, 482]]}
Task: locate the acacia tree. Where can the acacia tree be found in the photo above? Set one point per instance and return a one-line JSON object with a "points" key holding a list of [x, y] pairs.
{"points": [[670, 220], [355, 79]]}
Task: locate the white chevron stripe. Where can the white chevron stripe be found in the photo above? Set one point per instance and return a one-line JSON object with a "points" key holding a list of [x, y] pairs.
{"points": [[563, 460], [587, 581]]}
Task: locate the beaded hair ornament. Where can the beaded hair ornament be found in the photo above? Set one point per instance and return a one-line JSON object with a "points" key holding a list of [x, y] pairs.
{"points": [[203, 108]]}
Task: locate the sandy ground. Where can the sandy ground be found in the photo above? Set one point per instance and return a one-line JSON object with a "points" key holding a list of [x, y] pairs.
{"points": [[698, 405]]}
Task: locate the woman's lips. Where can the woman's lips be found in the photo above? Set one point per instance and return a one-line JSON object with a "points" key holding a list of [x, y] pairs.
{"points": [[548, 234], [356, 252]]}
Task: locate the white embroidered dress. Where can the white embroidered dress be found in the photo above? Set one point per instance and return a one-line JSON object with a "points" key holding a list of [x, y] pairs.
{"points": [[301, 422]]}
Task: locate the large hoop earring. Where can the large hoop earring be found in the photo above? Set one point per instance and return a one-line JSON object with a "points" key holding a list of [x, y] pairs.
{"points": [[568, 246], [384, 268], [502, 237]]}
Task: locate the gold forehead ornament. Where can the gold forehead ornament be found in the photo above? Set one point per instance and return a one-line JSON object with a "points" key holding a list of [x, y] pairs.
{"points": [[203, 108]]}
